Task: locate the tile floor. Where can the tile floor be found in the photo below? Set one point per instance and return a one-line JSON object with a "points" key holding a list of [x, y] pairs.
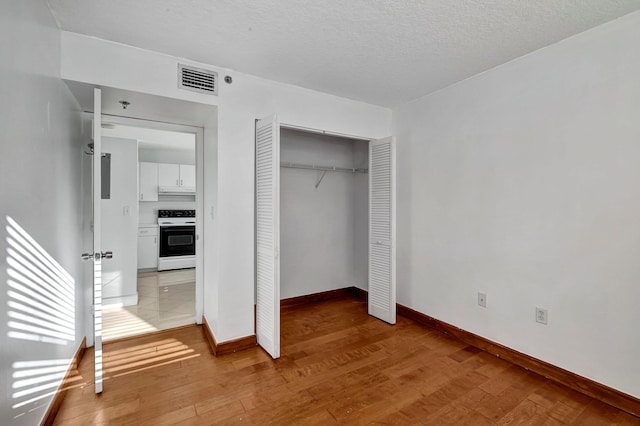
{"points": [[165, 300]]}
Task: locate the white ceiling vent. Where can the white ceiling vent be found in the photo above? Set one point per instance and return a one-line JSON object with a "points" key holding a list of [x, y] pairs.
{"points": [[197, 79]]}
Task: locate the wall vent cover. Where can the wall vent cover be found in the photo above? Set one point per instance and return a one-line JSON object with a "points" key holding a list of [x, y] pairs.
{"points": [[197, 79]]}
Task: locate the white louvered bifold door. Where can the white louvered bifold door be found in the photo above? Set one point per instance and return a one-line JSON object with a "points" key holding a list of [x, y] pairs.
{"points": [[268, 235], [382, 230]]}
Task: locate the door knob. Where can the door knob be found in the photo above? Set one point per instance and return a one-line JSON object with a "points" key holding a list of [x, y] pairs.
{"points": [[97, 256]]}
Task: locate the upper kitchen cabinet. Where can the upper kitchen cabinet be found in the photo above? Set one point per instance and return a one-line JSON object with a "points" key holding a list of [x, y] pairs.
{"points": [[176, 178], [188, 176], [168, 175], [148, 180]]}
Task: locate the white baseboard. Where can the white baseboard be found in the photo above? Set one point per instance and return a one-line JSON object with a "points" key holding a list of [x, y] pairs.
{"points": [[120, 301]]}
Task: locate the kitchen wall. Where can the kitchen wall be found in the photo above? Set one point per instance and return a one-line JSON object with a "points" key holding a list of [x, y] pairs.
{"points": [[318, 238], [120, 224], [523, 182], [171, 156], [228, 224], [41, 320]]}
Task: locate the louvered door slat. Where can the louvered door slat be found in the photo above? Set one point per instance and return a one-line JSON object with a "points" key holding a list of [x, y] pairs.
{"points": [[268, 235], [382, 283]]}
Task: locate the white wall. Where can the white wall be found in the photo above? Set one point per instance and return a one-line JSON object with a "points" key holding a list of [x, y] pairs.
{"points": [[171, 156], [119, 227], [229, 190], [523, 182], [40, 190], [318, 225]]}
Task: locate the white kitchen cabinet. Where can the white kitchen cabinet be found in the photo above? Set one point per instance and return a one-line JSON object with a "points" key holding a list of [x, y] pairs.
{"points": [[176, 177], [168, 175], [148, 180], [148, 247], [188, 175]]}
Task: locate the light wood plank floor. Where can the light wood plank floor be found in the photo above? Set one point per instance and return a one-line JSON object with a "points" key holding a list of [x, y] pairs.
{"points": [[338, 365]]}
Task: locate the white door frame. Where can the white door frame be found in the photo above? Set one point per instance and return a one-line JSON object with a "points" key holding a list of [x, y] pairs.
{"points": [[325, 132], [199, 133]]}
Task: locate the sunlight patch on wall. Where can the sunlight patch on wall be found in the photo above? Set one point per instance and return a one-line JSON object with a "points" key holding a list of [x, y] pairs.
{"points": [[40, 309], [35, 380], [40, 293]]}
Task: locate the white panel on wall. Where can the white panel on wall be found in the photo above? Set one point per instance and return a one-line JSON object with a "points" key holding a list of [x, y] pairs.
{"points": [[268, 235], [120, 222]]}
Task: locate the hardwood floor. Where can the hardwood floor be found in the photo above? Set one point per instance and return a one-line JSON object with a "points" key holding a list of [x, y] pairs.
{"points": [[338, 365]]}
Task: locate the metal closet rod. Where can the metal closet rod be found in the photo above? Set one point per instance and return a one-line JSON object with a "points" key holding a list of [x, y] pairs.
{"points": [[322, 168]]}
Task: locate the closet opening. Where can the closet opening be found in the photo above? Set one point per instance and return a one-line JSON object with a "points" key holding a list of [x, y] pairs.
{"points": [[324, 213], [325, 223]]}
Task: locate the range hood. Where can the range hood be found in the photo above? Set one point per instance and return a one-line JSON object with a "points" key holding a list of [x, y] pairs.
{"points": [[176, 190]]}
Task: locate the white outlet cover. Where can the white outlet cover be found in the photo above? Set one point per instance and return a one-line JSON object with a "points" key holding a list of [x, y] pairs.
{"points": [[482, 299], [542, 316]]}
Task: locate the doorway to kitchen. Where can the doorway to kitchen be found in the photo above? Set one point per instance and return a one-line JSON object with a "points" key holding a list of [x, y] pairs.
{"points": [[105, 283], [152, 208]]}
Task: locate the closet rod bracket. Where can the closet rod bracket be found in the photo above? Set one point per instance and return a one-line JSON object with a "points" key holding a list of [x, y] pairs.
{"points": [[321, 177]]}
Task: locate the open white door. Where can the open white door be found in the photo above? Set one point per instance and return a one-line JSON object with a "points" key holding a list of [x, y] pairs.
{"points": [[97, 255], [268, 234], [382, 229], [97, 234]]}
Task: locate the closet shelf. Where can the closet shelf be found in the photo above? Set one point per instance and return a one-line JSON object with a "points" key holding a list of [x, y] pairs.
{"points": [[322, 168]]}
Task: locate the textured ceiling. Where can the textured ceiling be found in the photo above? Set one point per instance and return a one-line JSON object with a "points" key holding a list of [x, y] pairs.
{"points": [[383, 52]]}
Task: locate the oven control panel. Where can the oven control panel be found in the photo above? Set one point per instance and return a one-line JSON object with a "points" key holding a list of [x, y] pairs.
{"points": [[176, 213]]}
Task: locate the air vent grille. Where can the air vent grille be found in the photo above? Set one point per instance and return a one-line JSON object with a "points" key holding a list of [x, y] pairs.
{"points": [[197, 79]]}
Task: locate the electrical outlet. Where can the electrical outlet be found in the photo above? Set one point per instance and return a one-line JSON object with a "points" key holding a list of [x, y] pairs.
{"points": [[482, 299], [542, 316]]}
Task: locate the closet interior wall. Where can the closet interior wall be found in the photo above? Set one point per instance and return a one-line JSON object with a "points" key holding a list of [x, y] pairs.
{"points": [[323, 230]]}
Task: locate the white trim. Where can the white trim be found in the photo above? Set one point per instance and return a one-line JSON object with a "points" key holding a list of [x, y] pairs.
{"points": [[323, 132], [120, 301]]}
